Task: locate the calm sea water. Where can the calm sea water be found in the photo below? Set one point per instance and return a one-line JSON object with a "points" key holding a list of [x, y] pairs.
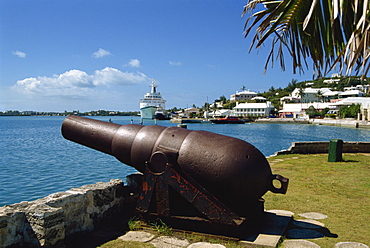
{"points": [[37, 161]]}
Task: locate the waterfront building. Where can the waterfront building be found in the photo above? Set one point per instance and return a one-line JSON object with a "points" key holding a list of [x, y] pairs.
{"points": [[298, 110], [260, 109], [191, 111], [364, 114], [221, 113]]}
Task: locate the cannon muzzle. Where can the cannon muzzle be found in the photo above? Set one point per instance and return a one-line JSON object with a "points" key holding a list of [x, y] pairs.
{"points": [[233, 170]]}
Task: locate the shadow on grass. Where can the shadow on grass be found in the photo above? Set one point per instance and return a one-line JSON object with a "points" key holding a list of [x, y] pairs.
{"points": [[350, 161], [309, 231]]}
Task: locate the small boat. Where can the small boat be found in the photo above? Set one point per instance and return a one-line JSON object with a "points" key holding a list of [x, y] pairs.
{"points": [[185, 120], [159, 115], [190, 120], [228, 120]]}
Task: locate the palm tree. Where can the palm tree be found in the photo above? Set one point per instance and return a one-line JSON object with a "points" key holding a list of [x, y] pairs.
{"points": [[331, 32], [301, 93], [320, 95]]}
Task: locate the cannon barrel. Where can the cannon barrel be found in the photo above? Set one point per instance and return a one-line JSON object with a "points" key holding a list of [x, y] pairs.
{"points": [[233, 170]]}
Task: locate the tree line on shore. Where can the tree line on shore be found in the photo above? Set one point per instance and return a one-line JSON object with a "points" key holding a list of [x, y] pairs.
{"points": [[65, 113]]}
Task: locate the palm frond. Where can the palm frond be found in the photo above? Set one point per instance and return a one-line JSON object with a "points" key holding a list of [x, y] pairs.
{"points": [[330, 32]]}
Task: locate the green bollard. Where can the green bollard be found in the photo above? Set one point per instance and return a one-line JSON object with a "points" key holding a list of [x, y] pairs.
{"points": [[335, 150]]}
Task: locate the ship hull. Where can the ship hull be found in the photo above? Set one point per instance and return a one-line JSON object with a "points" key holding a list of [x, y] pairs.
{"points": [[148, 112]]}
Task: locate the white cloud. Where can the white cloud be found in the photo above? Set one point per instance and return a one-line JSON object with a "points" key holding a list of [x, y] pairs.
{"points": [[114, 76], [175, 63], [100, 53], [134, 63], [77, 83], [20, 54]]}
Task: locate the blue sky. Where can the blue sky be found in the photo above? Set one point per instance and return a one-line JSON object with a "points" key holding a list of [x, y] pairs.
{"points": [[102, 54]]}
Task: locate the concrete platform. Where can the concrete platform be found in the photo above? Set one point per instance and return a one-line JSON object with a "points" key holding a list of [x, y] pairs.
{"points": [[266, 232], [269, 231]]}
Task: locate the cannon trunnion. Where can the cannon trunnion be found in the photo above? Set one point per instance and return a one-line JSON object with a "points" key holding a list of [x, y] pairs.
{"points": [[222, 177]]}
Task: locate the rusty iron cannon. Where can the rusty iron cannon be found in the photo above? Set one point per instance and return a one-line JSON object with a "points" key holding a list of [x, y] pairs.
{"points": [[222, 177]]}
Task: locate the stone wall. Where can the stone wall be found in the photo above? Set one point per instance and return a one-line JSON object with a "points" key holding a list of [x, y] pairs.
{"points": [[48, 221], [323, 147]]}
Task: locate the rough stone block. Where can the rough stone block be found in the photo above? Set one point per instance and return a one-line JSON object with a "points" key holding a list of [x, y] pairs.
{"points": [[47, 221], [11, 227]]}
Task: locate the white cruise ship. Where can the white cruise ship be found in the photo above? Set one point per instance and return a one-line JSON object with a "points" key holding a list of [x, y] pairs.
{"points": [[151, 103]]}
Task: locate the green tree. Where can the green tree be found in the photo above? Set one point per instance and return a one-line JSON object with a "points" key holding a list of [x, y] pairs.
{"points": [[349, 111], [323, 112], [311, 111], [330, 32], [229, 105], [223, 99]]}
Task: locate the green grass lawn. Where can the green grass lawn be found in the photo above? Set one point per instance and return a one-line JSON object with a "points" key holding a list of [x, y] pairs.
{"points": [[340, 190]]}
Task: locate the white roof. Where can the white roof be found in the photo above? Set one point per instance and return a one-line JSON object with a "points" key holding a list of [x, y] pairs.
{"points": [[297, 107], [246, 92], [365, 101], [258, 98], [288, 97], [254, 105], [351, 92], [332, 93], [222, 112], [310, 90]]}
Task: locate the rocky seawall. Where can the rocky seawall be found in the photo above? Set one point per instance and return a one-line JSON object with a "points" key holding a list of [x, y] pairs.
{"points": [[326, 121], [48, 221], [315, 147]]}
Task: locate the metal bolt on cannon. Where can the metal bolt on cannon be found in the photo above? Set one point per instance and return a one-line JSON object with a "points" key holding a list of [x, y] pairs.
{"points": [[222, 178]]}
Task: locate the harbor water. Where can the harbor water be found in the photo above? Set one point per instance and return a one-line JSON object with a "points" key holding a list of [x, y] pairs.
{"points": [[37, 161]]}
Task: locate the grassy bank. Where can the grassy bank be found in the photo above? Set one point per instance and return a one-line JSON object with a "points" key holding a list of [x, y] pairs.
{"points": [[339, 190]]}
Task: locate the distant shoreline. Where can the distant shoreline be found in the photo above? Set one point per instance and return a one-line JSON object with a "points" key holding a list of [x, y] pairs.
{"points": [[348, 122], [329, 122], [90, 113]]}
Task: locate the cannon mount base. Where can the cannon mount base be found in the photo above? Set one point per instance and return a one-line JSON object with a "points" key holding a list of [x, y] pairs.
{"points": [[175, 197]]}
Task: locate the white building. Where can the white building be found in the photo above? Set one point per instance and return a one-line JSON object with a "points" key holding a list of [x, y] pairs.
{"points": [[351, 93], [190, 111], [243, 95], [331, 80], [221, 113], [310, 94], [331, 95], [253, 109], [363, 88], [287, 99], [298, 110], [363, 101]]}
